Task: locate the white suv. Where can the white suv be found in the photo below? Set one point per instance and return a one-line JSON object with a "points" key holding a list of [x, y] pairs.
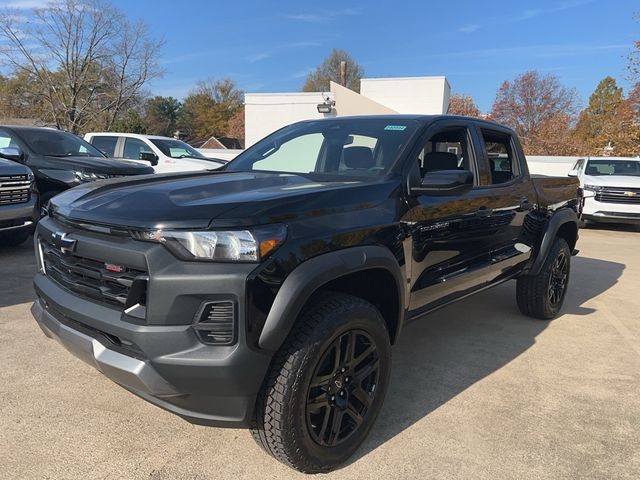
{"points": [[612, 188], [163, 153]]}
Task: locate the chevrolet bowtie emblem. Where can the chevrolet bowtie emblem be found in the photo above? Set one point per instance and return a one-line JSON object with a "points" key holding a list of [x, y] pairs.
{"points": [[65, 244], [630, 194]]}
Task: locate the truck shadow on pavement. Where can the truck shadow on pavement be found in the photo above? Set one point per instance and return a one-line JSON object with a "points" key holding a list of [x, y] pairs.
{"points": [[448, 351], [17, 267]]}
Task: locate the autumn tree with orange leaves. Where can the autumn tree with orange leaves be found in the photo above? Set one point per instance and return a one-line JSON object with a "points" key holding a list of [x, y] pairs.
{"points": [[463, 105], [540, 110]]}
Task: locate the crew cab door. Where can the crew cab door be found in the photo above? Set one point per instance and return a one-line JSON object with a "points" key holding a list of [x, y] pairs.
{"points": [[452, 237], [510, 197], [133, 147]]}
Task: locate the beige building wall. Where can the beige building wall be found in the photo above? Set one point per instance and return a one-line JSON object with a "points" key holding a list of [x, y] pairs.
{"points": [[421, 95], [349, 102]]}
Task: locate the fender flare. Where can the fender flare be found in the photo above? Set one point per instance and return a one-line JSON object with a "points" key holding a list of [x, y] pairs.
{"points": [[558, 219], [312, 274]]}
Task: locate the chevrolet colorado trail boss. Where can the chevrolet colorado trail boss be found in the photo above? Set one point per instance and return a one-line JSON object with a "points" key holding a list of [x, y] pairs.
{"points": [[267, 295]]}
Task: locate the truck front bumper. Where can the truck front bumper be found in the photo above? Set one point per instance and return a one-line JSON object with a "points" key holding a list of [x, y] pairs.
{"points": [[19, 216], [608, 212], [159, 358]]}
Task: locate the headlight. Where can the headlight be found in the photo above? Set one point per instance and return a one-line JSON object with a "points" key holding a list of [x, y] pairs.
{"points": [[89, 176], [218, 245], [593, 188], [32, 182]]}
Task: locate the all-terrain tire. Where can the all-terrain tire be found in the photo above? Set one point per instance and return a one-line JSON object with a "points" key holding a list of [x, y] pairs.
{"points": [[284, 424], [534, 292]]}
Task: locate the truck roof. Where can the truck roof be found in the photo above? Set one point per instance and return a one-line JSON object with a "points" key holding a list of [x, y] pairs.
{"points": [[133, 135], [26, 128], [424, 119]]}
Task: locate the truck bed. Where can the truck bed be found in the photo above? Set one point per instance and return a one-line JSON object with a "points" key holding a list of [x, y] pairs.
{"points": [[554, 191]]}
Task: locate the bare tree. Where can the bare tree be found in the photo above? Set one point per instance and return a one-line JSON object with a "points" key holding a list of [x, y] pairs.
{"points": [[530, 104], [86, 60], [634, 58], [329, 70]]}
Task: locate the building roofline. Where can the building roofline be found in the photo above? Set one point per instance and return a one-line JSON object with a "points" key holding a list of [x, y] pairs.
{"points": [[424, 77]]}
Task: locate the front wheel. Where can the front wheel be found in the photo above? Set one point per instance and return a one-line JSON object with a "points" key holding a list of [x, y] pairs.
{"points": [[542, 295], [326, 384]]}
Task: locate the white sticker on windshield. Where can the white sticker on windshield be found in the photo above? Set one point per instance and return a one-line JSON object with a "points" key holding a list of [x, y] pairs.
{"points": [[397, 128]]}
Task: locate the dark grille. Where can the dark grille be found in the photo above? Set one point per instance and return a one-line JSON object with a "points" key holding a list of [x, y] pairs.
{"points": [[619, 195], [88, 278], [216, 323], [14, 189]]}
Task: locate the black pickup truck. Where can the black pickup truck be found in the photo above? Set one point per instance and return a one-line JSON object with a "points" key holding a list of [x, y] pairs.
{"points": [[18, 201], [268, 295], [61, 160]]}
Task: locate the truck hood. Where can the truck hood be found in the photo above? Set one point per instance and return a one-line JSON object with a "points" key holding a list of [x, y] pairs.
{"points": [[95, 165], [186, 165], [8, 168], [200, 200], [612, 181]]}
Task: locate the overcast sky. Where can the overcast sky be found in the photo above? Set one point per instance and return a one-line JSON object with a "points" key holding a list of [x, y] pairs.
{"points": [[270, 46]]}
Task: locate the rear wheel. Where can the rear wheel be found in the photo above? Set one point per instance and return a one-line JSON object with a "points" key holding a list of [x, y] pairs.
{"points": [[542, 295], [326, 384]]}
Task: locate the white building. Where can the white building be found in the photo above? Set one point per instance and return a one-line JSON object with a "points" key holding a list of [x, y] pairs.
{"points": [[267, 112]]}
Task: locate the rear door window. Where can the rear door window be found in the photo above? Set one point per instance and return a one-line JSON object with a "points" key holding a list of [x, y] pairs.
{"points": [[503, 161]]}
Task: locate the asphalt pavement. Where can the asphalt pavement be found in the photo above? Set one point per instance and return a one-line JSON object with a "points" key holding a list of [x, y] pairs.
{"points": [[477, 391]]}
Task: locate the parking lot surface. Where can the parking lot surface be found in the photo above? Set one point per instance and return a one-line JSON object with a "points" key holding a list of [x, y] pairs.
{"points": [[477, 391]]}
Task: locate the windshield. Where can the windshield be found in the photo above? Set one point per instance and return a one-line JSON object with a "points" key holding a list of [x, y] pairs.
{"points": [[344, 147], [628, 168], [176, 148], [56, 143]]}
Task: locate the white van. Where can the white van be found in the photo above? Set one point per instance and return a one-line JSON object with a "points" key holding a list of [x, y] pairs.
{"points": [[165, 154]]}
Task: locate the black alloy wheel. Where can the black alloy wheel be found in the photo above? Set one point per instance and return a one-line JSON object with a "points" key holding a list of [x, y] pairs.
{"points": [[558, 279], [542, 295], [343, 388]]}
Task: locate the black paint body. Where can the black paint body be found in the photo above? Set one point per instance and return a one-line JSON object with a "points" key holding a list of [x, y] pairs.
{"points": [[405, 252], [55, 174]]}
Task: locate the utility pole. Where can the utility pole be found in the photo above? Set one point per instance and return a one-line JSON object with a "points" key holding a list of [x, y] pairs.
{"points": [[343, 73]]}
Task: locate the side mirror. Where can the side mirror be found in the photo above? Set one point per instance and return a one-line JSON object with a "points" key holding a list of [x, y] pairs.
{"points": [[445, 182], [11, 153], [152, 158], [572, 173]]}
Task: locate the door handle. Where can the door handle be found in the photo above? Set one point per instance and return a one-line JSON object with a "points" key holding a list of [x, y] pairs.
{"points": [[525, 204], [484, 212]]}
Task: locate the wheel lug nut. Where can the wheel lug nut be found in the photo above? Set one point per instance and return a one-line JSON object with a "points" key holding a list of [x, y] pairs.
{"points": [[347, 380], [342, 393], [333, 397]]}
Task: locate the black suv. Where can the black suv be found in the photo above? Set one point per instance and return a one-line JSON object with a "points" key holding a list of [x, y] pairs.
{"points": [[18, 201], [268, 295], [61, 160]]}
